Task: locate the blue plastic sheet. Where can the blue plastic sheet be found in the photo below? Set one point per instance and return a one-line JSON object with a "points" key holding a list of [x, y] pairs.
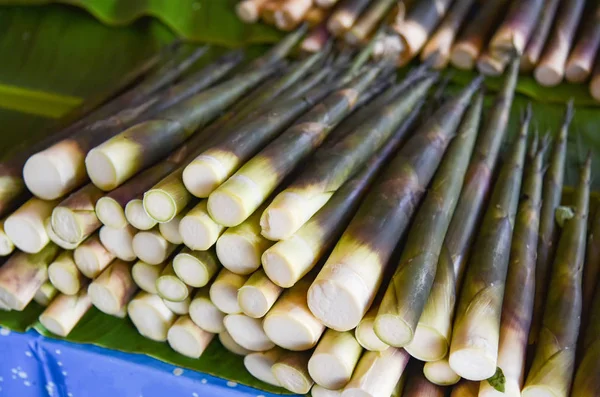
{"points": [[33, 366]]}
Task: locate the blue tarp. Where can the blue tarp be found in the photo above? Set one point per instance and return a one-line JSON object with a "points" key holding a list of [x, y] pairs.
{"points": [[33, 366]]}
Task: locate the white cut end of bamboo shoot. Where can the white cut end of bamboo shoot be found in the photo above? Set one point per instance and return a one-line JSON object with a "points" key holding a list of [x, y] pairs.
{"points": [[237, 253], [180, 308], [291, 371], [203, 176], [335, 302], [44, 294], [226, 208], [224, 291], [288, 212], [491, 66], [377, 373], [92, 258], [319, 391], [199, 231], [229, 344], [55, 239], [137, 217], [25, 227], [187, 338], [52, 173], [428, 344], [472, 363], [170, 287], [205, 314], [393, 330], [577, 73], [119, 241], [247, 332], [110, 213], [66, 225], [548, 75], [160, 206], [294, 330], [333, 361], [539, 391], [247, 11], [170, 230], [151, 316], [464, 57], [151, 247], [366, 336], [260, 365], [195, 268], [64, 274], [258, 295], [65, 311], [440, 373], [101, 169], [112, 290], [288, 261], [145, 275], [6, 246]]}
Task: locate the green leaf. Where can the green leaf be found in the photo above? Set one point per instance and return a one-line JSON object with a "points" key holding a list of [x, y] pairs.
{"points": [[498, 381], [212, 21]]}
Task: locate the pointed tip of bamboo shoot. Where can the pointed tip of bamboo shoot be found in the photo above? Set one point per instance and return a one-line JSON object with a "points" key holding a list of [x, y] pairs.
{"points": [[47, 175], [159, 206], [136, 216], [472, 364], [237, 253], [110, 213]]}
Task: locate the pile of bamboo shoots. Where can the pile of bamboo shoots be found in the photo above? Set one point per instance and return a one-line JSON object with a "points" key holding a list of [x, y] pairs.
{"points": [[347, 233], [558, 39]]}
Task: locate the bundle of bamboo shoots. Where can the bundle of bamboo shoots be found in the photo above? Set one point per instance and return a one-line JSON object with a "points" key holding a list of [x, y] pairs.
{"points": [[286, 227], [559, 40]]}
